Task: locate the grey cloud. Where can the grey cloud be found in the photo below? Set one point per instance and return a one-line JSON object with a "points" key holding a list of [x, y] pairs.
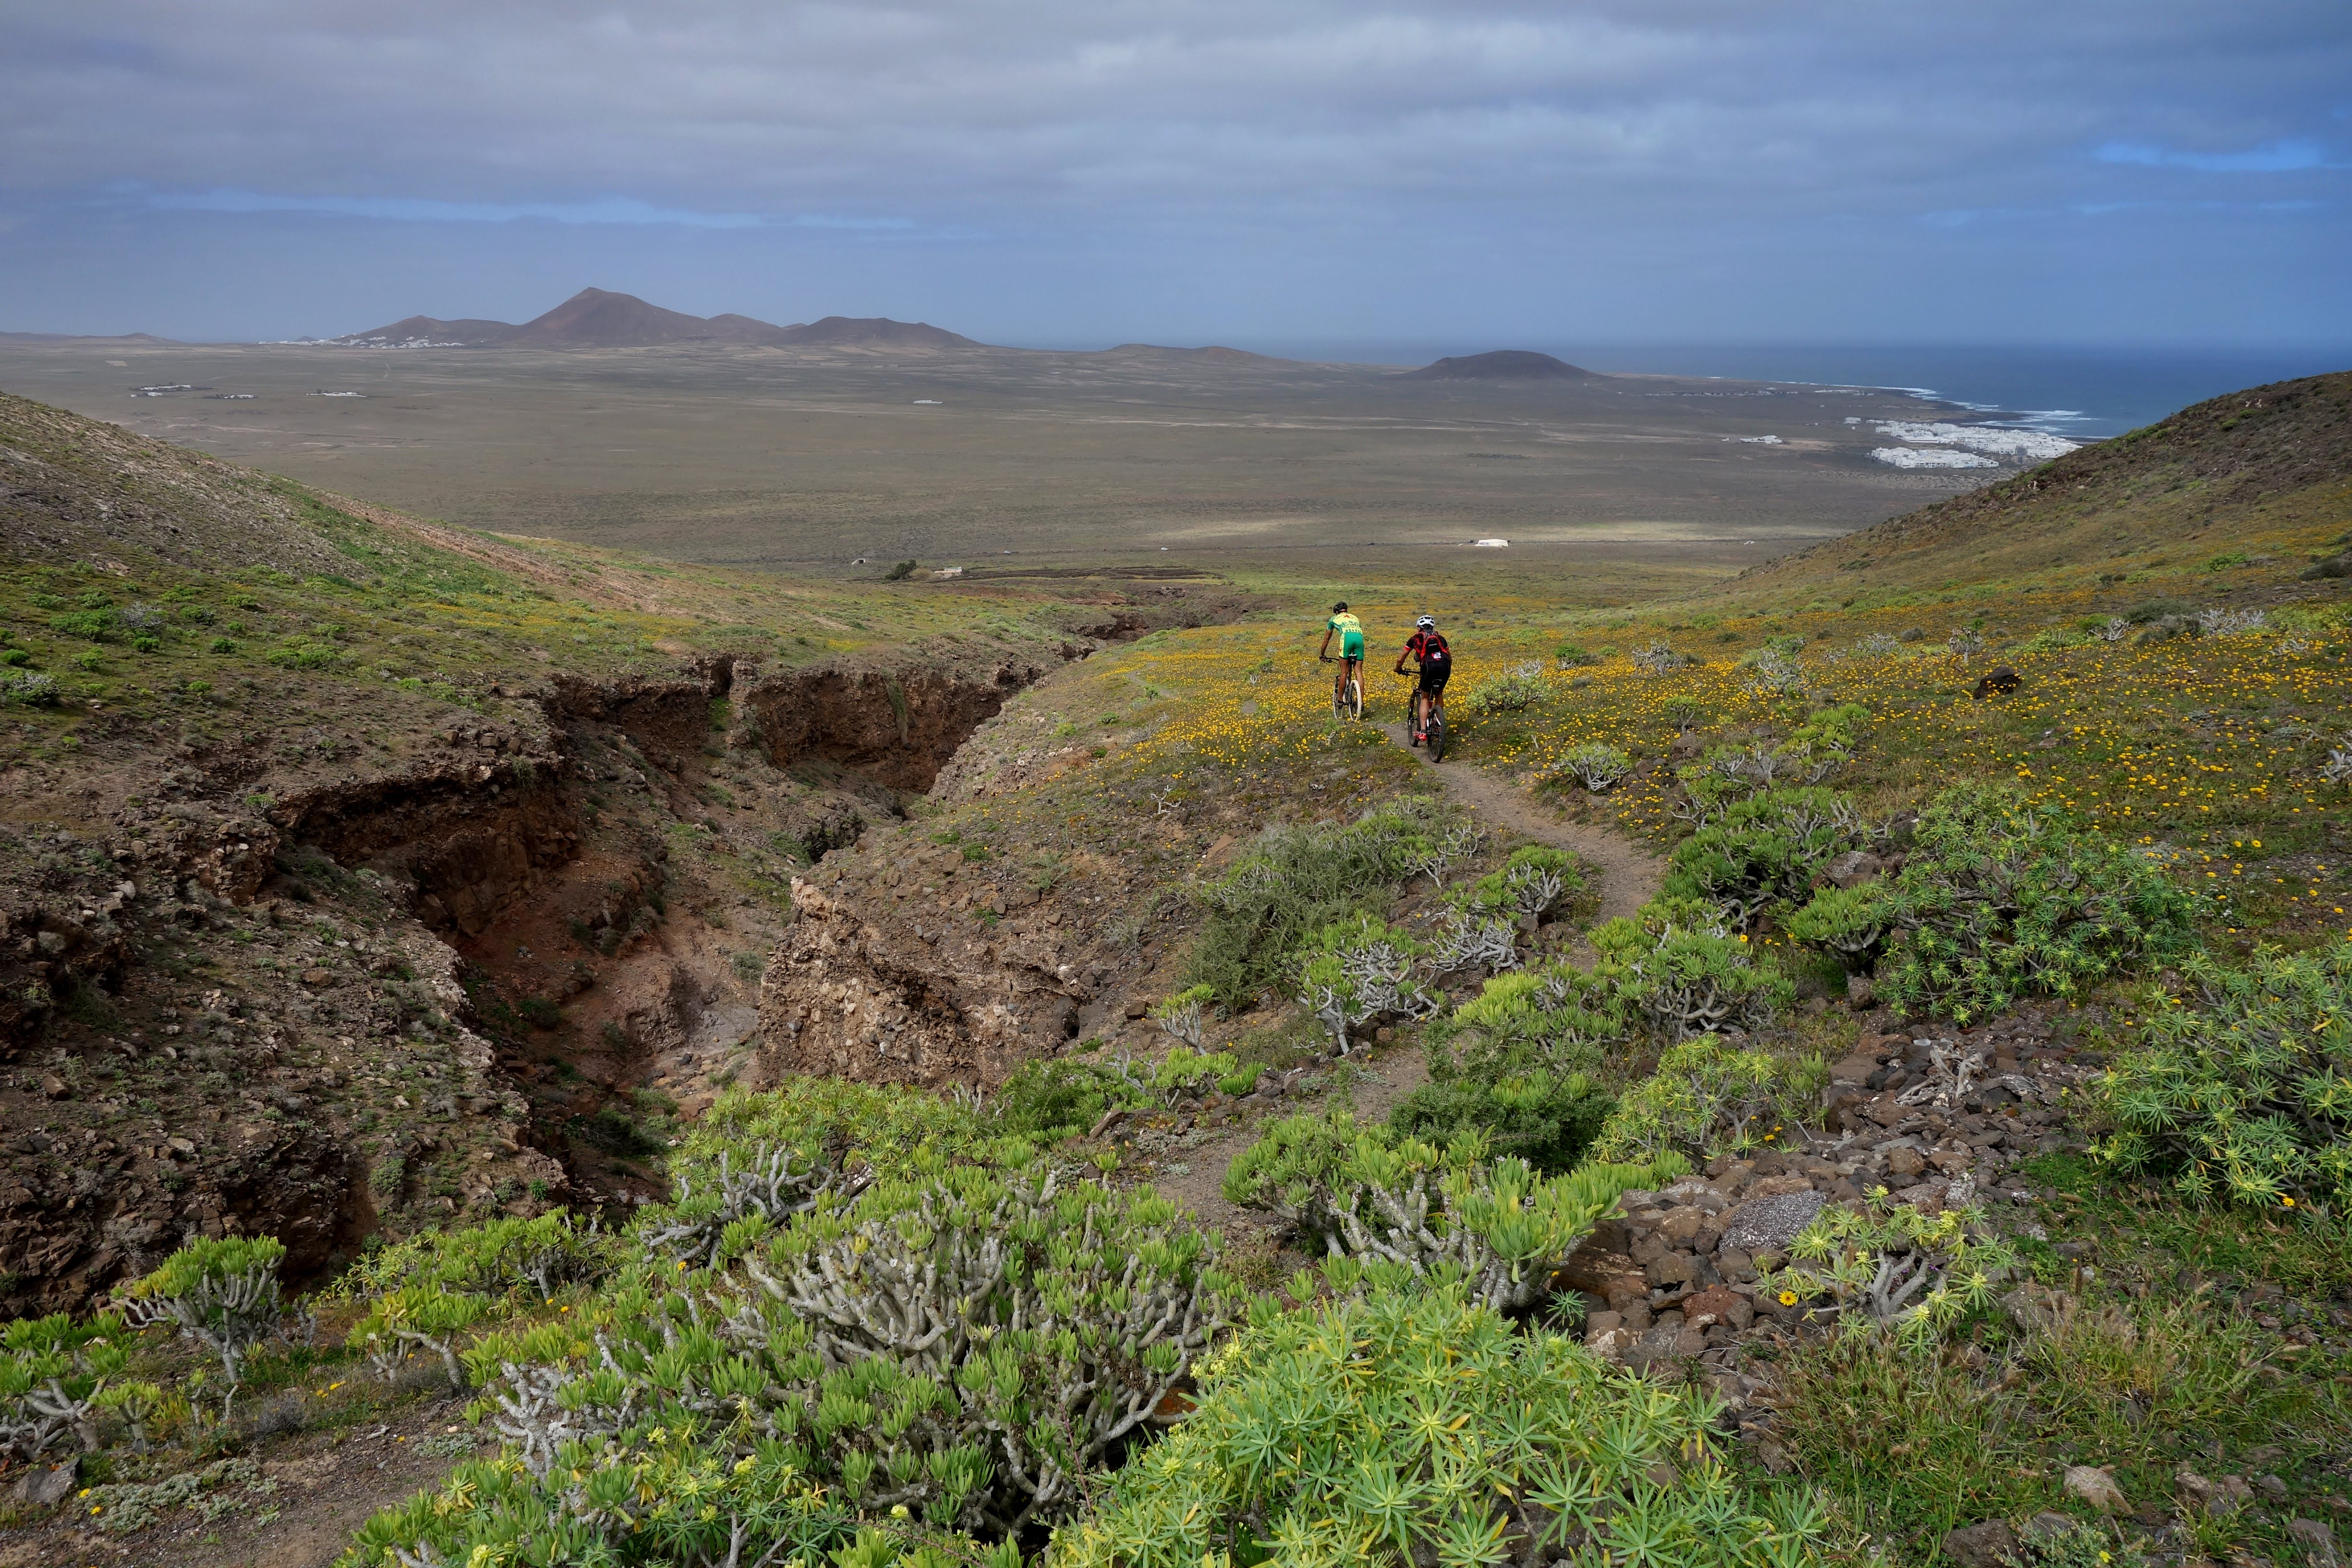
{"points": [[1311, 135], [746, 105]]}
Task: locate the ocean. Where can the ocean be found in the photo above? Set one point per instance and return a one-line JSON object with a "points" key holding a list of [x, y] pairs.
{"points": [[2080, 392]]}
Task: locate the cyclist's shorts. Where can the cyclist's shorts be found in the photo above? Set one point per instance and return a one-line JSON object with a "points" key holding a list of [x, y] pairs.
{"points": [[1434, 677], [1352, 644]]}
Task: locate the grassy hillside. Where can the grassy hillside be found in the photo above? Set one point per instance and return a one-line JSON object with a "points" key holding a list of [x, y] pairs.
{"points": [[2225, 487]]}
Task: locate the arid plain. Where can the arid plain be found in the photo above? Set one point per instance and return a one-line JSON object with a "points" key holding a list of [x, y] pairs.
{"points": [[804, 459]]}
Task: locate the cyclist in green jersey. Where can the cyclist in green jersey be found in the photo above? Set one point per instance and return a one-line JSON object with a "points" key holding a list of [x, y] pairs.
{"points": [[1351, 633]]}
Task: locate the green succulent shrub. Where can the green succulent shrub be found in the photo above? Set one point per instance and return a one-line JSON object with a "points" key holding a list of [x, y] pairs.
{"points": [[651, 1499], [1851, 923], [1356, 970], [1375, 1197], [1296, 882], [1182, 1013], [1550, 1017], [2245, 1096], [843, 1125], [1513, 691], [91, 625], [1764, 851], [1688, 979], [1547, 1119], [1726, 775], [2000, 899], [525, 1258], [1422, 1430], [1532, 881], [968, 1346], [426, 1291], [54, 1377], [222, 1294], [1894, 1267], [1706, 1096]]}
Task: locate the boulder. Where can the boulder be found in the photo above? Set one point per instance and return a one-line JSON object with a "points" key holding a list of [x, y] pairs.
{"points": [[1599, 1270], [2096, 1485], [46, 1486], [2316, 1540], [1987, 1545], [1611, 1343], [1852, 868], [1884, 1112], [1674, 1268], [1770, 1222], [2000, 680], [1779, 1185], [1717, 1304]]}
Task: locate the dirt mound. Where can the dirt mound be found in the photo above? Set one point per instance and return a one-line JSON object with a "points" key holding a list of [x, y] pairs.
{"points": [[1502, 365]]}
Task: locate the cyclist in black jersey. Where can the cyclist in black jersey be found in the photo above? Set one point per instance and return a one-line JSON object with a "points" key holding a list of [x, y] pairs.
{"points": [[1436, 668]]}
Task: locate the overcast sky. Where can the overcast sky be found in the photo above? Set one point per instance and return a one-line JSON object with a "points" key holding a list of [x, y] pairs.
{"points": [[1085, 172]]}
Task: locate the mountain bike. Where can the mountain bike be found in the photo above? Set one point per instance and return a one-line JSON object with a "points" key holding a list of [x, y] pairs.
{"points": [[1347, 691], [1433, 731]]}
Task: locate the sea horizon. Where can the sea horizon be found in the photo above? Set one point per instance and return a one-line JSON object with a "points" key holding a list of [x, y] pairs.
{"points": [[2083, 393]]}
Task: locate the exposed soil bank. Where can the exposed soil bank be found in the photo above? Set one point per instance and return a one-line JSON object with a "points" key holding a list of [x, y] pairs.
{"points": [[897, 724]]}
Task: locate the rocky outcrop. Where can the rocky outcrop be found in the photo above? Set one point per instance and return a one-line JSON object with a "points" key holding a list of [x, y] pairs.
{"points": [[897, 725], [1934, 1117], [666, 719], [467, 832], [868, 990]]}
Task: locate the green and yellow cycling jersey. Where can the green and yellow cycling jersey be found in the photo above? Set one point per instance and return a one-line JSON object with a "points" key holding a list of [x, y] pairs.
{"points": [[1351, 633]]}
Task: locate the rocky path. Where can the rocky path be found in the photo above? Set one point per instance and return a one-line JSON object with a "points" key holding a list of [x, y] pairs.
{"points": [[1630, 878]]}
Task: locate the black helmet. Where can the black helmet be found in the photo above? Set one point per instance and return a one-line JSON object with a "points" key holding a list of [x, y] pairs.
{"points": [[1339, 606]]}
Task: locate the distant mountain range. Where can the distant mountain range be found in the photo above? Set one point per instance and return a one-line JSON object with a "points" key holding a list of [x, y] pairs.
{"points": [[599, 318]]}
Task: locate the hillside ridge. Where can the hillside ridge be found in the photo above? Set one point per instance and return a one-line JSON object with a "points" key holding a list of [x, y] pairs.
{"points": [[2259, 464]]}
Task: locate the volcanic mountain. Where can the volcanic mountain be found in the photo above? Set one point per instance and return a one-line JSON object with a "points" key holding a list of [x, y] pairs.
{"points": [[1502, 365], [600, 319]]}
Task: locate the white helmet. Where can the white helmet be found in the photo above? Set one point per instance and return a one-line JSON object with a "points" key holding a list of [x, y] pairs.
{"points": [[1426, 623]]}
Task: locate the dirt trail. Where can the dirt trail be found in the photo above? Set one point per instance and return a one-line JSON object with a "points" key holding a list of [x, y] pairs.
{"points": [[1630, 878], [1630, 874]]}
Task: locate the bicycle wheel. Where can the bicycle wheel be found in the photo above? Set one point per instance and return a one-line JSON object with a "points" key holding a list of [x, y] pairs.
{"points": [[1340, 698], [1437, 735], [1355, 700]]}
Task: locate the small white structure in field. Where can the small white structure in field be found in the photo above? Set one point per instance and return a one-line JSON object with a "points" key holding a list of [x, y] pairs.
{"points": [[1490, 544], [949, 571]]}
